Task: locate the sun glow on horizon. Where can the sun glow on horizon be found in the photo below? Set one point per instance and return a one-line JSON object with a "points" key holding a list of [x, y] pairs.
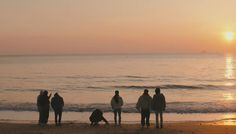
{"points": [[229, 36]]}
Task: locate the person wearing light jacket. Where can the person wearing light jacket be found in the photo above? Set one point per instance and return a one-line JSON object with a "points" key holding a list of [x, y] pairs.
{"points": [[116, 104], [144, 106]]}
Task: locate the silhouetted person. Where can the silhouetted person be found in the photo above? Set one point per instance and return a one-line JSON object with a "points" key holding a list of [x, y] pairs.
{"points": [[116, 104], [159, 105], [57, 104], [96, 117], [45, 107], [144, 106], [39, 105]]}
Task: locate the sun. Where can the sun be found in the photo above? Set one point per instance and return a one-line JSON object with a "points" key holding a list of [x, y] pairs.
{"points": [[229, 36]]}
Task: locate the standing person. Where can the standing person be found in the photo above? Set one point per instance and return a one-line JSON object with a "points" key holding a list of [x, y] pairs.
{"points": [[96, 117], [144, 106], [45, 107], [159, 105], [57, 104], [116, 104], [39, 105]]}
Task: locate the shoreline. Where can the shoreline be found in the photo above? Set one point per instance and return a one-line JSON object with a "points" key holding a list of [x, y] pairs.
{"points": [[127, 118], [84, 128]]}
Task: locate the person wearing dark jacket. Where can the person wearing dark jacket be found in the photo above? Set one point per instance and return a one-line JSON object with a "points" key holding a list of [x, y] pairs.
{"points": [[45, 103], [96, 117], [144, 106], [39, 105], [57, 104], [159, 105]]}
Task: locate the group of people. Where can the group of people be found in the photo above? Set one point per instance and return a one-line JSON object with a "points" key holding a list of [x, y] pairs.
{"points": [[43, 104], [145, 105]]}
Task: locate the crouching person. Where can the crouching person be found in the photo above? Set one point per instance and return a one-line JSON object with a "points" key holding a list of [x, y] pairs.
{"points": [[96, 117], [57, 104]]}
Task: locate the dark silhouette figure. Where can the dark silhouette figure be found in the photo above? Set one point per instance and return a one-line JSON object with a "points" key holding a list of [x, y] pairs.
{"points": [[39, 105], [144, 106], [116, 104], [159, 105], [44, 102], [57, 104], [96, 117]]}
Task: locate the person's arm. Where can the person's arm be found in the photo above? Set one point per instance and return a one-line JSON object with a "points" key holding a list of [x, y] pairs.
{"points": [[138, 104], [153, 102], [122, 102], [111, 102], [105, 120], [164, 100], [62, 101], [49, 95]]}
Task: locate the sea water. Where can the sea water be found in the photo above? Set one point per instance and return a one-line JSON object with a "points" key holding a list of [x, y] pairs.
{"points": [[191, 83]]}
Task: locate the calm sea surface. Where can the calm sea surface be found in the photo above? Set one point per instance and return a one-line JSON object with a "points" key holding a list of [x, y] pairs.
{"points": [[199, 83]]}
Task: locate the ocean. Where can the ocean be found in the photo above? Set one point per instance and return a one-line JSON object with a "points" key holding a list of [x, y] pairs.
{"points": [[191, 83]]}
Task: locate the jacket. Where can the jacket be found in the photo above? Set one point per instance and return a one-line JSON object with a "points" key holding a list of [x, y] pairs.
{"points": [[158, 102], [116, 105], [144, 102], [57, 102]]}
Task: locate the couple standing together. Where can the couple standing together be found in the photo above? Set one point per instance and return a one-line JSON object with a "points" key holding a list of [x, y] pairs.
{"points": [[144, 105], [43, 104]]}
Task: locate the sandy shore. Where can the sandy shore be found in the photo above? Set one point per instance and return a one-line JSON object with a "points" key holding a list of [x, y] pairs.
{"points": [[82, 128]]}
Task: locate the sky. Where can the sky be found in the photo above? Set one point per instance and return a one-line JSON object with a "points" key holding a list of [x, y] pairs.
{"points": [[116, 26]]}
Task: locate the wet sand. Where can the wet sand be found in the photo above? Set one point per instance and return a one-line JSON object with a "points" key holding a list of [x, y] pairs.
{"points": [[83, 128]]}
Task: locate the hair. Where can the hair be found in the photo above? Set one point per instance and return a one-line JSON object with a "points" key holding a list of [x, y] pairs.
{"points": [[158, 90], [45, 92], [145, 91]]}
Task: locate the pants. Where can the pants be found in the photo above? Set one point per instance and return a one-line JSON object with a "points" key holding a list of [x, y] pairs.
{"points": [[45, 114], [40, 115], [145, 115], [157, 119], [117, 112], [58, 114]]}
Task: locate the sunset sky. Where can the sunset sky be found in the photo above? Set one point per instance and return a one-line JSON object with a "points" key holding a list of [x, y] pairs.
{"points": [[116, 26]]}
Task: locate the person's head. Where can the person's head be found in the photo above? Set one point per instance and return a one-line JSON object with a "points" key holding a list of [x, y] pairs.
{"points": [[158, 90], [45, 92], [145, 91], [56, 94], [116, 92]]}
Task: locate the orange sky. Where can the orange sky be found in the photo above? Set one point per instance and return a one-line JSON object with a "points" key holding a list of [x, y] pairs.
{"points": [[121, 26]]}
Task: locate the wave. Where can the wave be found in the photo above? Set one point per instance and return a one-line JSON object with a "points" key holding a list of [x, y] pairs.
{"points": [[172, 107], [174, 86]]}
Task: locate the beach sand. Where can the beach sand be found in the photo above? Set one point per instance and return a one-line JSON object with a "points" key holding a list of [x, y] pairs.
{"points": [[82, 128]]}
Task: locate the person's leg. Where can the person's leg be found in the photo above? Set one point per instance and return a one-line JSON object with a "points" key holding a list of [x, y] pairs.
{"points": [[60, 115], [157, 119], [40, 115], [46, 114], [161, 116], [142, 118], [115, 116], [119, 114], [55, 113], [147, 117], [43, 116]]}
